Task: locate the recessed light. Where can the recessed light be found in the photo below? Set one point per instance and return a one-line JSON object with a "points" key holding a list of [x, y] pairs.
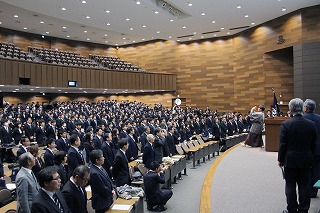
{"points": [[131, 28], [88, 17], [63, 8], [83, 2], [107, 11], [189, 4], [47, 32], [202, 36], [194, 33], [178, 40], [143, 39], [42, 36], [246, 16], [64, 27], [239, 7], [156, 12], [169, 36], [124, 38], [184, 27], [203, 14], [144, 26], [283, 9], [253, 23], [41, 22], [138, 2], [116, 44], [88, 39], [125, 42], [134, 41], [25, 28], [213, 22], [171, 20], [16, 16], [68, 36], [222, 28], [228, 33], [59, 90], [85, 31], [190, 38], [0, 22], [158, 32], [14, 91], [106, 41], [37, 87], [108, 24], [65, 92], [105, 34], [32, 89], [127, 19]]}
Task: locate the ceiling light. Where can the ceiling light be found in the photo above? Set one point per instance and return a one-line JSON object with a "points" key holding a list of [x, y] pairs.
{"points": [[1, 85], [228, 33], [25, 28], [203, 14], [105, 35], [37, 87], [213, 22], [64, 27], [47, 32], [107, 11], [143, 39], [214, 35], [158, 32], [14, 91], [169, 36], [239, 7], [68, 36], [116, 44], [178, 40], [131, 28], [189, 4], [83, 2], [125, 42], [65, 92], [253, 23], [88, 17], [85, 31], [108, 24], [190, 38], [42, 36], [127, 19], [0, 22], [202, 36], [194, 33], [124, 38], [16, 16], [134, 41], [156, 12], [41, 22], [32, 89], [138, 2], [171, 20], [222, 28], [246, 16], [283, 9], [59, 90], [106, 41], [88, 39], [184, 27], [63, 8]]}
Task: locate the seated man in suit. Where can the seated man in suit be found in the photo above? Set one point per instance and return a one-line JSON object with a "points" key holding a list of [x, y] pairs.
{"points": [[25, 143], [148, 152], [49, 154], [74, 157], [49, 199], [101, 184], [120, 169], [156, 197], [74, 192], [26, 182]]}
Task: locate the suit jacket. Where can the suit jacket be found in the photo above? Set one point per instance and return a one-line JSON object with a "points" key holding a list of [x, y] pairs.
{"points": [[48, 158], [316, 119], [158, 149], [17, 135], [170, 143], [151, 182], [108, 157], [20, 151], [132, 150], [29, 131], [5, 136], [148, 155], [75, 199], [120, 169], [51, 132], [74, 159], [97, 142], [43, 203], [297, 142], [62, 172], [143, 141], [63, 145], [40, 136], [101, 186], [27, 189], [224, 129], [231, 129]]}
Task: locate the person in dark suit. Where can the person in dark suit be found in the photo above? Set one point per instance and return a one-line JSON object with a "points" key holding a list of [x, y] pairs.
{"points": [[49, 199], [101, 184], [297, 145], [41, 133], [17, 133], [74, 192], [170, 141], [143, 137], [98, 139], [132, 151], [63, 143], [88, 145], [29, 129], [25, 143], [223, 127], [120, 169], [49, 154], [309, 107], [52, 130], [158, 145], [108, 155], [156, 197], [39, 164], [60, 159], [74, 157], [148, 153]]}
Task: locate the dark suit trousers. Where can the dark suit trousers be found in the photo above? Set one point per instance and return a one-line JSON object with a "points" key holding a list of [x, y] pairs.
{"points": [[315, 175], [302, 177], [167, 194]]}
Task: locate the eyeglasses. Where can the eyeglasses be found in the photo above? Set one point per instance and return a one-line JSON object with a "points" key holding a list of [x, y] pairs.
{"points": [[57, 178]]}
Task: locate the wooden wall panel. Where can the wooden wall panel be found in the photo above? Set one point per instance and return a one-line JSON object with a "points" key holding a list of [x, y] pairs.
{"points": [[33, 74], [54, 71], [44, 77], [8, 72], [2, 71], [27, 67]]}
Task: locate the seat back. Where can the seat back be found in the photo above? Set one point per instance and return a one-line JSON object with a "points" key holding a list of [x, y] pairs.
{"points": [[179, 150], [142, 169]]}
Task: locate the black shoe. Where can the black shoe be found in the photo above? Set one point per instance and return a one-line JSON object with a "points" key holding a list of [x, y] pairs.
{"points": [[162, 208]]}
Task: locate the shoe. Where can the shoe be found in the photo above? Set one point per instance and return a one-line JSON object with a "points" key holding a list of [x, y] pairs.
{"points": [[162, 207], [150, 207]]}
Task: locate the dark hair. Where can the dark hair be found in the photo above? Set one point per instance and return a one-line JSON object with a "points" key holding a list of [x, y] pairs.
{"points": [[262, 108], [23, 139], [95, 155], [45, 175], [154, 165], [33, 149], [122, 142], [170, 128], [157, 130], [80, 170], [73, 138], [114, 132], [87, 137], [97, 129], [61, 131], [50, 141], [130, 128], [59, 157]]}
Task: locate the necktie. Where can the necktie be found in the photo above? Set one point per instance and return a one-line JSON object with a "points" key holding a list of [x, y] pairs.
{"points": [[57, 202]]}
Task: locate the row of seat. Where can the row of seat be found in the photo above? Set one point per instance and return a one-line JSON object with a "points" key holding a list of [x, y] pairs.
{"points": [[13, 52]]}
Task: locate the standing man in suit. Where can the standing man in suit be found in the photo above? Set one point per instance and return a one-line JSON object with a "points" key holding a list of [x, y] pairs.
{"points": [[26, 182], [120, 169], [74, 192], [63, 143], [108, 155], [98, 139], [74, 157], [52, 130], [29, 129], [49, 153], [309, 107], [41, 133], [25, 143], [101, 184], [148, 152], [132, 151], [156, 197], [297, 145], [143, 137], [49, 199]]}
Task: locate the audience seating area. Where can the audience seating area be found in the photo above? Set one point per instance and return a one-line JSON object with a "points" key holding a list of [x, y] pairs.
{"points": [[115, 63], [12, 52]]}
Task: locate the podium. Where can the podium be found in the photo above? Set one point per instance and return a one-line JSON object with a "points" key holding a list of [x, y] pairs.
{"points": [[272, 133]]}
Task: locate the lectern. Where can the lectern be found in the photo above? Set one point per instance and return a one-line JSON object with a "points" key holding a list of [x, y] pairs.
{"points": [[272, 126]]}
